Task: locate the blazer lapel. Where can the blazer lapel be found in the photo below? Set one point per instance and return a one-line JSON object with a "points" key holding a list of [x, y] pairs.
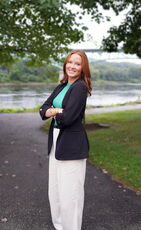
{"points": [[59, 89], [67, 94]]}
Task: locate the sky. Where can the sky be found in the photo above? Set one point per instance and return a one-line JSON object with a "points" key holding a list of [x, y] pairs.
{"points": [[96, 32]]}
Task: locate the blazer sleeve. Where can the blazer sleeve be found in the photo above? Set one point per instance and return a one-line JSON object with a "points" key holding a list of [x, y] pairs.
{"points": [[47, 104], [74, 106]]}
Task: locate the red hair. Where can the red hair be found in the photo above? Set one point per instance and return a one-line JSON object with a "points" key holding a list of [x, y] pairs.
{"points": [[85, 74]]}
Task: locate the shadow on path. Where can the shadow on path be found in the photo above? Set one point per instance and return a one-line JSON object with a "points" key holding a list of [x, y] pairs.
{"points": [[23, 183]]}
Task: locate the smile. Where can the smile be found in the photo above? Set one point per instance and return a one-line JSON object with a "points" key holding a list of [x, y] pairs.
{"points": [[71, 71]]}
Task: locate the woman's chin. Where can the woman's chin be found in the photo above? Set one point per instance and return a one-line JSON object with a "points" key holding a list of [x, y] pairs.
{"points": [[72, 76]]}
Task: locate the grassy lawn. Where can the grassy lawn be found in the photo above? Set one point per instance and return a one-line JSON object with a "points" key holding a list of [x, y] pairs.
{"points": [[118, 148]]}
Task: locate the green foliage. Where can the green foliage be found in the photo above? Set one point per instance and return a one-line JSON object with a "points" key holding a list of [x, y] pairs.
{"points": [[128, 33], [21, 72], [41, 30], [124, 72]]}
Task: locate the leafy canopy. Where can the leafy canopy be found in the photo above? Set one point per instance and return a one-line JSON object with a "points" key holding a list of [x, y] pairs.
{"points": [[37, 29], [40, 30]]}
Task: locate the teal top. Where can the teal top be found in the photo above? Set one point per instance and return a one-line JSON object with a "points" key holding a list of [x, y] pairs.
{"points": [[57, 102]]}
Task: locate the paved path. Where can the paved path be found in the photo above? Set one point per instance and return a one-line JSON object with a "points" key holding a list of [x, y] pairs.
{"points": [[114, 108], [23, 183]]}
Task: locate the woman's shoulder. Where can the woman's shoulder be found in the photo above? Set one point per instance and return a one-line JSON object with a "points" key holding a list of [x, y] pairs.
{"points": [[79, 84], [60, 85], [79, 87]]}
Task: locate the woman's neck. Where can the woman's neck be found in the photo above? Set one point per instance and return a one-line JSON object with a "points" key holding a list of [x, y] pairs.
{"points": [[71, 80]]}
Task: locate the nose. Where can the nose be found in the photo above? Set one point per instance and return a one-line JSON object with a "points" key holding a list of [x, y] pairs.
{"points": [[72, 65]]}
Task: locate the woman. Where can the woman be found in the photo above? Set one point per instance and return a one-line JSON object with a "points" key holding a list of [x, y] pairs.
{"points": [[68, 143]]}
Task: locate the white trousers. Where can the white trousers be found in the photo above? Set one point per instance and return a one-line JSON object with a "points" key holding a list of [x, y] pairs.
{"points": [[66, 190]]}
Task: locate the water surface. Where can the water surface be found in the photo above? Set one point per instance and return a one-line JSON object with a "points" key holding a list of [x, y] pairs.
{"points": [[29, 96]]}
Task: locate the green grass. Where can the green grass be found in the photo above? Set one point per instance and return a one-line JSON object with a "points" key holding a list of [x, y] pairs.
{"points": [[118, 148], [16, 110]]}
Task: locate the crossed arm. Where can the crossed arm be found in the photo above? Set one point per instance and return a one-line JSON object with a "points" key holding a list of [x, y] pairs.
{"points": [[51, 112], [73, 108]]}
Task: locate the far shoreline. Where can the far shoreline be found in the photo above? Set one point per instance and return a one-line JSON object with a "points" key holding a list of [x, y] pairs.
{"points": [[25, 83], [89, 109], [100, 82]]}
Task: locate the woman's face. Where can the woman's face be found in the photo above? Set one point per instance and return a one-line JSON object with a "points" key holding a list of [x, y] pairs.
{"points": [[74, 67]]}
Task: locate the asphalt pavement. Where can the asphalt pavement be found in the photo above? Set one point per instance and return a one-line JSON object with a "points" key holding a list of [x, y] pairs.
{"points": [[114, 108], [23, 184]]}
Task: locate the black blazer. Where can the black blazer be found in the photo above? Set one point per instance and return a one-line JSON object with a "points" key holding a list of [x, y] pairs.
{"points": [[72, 142]]}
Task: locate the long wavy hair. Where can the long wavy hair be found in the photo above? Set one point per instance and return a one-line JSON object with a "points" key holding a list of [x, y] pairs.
{"points": [[85, 74]]}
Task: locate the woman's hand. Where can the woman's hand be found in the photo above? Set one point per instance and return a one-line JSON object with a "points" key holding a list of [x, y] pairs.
{"points": [[51, 112], [58, 110]]}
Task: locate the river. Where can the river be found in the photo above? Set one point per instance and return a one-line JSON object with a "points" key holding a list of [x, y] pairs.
{"points": [[29, 96]]}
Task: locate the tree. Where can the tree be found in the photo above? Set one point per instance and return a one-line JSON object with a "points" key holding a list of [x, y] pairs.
{"points": [[128, 33], [42, 29], [37, 29]]}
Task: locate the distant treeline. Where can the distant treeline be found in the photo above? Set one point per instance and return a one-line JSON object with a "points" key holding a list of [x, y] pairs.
{"points": [[100, 70], [113, 71], [21, 72]]}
